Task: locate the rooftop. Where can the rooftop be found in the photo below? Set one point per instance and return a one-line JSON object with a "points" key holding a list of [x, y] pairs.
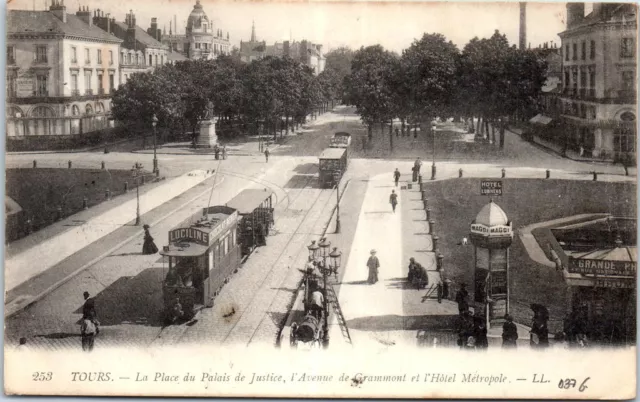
{"points": [[44, 22], [491, 215], [142, 36]]}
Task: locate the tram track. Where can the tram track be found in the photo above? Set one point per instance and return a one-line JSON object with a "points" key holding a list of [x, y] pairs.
{"points": [[251, 293], [291, 201]]}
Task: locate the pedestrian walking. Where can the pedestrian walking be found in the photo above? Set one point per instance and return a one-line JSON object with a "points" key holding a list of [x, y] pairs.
{"points": [[216, 151], [539, 330], [462, 299], [480, 333], [148, 247], [393, 200], [509, 333], [417, 164], [89, 310], [224, 152], [414, 174], [88, 333], [373, 264], [396, 176], [266, 154], [397, 132]]}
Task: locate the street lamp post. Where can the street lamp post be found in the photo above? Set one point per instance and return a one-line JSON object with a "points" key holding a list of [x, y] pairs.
{"points": [[326, 270], [433, 165], [313, 250], [135, 173], [154, 122], [337, 179]]}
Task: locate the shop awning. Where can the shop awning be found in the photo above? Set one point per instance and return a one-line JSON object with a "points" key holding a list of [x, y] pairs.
{"points": [[540, 119], [184, 249]]}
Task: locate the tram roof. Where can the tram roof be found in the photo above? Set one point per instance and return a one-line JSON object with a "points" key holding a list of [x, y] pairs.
{"points": [[248, 200], [332, 153]]}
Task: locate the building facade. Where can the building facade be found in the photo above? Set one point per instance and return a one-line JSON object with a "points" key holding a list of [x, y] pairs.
{"points": [[139, 50], [61, 71], [598, 101], [201, 39], [307, 53]]}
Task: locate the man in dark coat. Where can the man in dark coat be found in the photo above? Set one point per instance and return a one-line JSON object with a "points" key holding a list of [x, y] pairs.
{"points": [[393, 200], [89, 311], [509, 333], [396, 176], [461, 298]]}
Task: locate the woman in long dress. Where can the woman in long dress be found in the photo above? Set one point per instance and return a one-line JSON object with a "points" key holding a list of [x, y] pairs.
{"points": [[148, 247], [373, 265]]}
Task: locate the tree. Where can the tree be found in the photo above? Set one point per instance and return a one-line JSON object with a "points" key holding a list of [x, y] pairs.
{"points": [[338, 65], [429, 67]]}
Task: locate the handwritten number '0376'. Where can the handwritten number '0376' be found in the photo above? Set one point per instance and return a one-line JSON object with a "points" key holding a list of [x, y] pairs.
{"points": [[571, 383]]}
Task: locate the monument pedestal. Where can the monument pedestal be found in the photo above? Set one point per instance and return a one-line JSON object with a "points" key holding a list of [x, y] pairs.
{"points": [[207, 137]]}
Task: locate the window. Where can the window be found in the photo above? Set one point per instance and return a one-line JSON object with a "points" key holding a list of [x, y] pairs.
{"points": [[122, 58], [574, 79], [583, 52], [111, 57], [74, 54], [87, 83], [566, 53], [112, 84], [161, 59], [575, 51], [567, 79], [627, 48], [592, 78], [129, 58], [42, 85], [41, 54], [11, 55], [197, 46], [12, 79], [583, 78], [100, 87], [628, 80], [593, 50], [156, 59], [88, 109], [99, 56], [75, 110], [87, 56], [74, 84]]}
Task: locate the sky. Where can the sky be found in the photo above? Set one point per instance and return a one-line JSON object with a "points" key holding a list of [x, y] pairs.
{"points": [[394, 25]]}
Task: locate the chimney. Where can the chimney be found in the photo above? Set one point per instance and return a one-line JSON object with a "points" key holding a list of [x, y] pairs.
{"points": [[59, 10], [130, 36], [575, 14], [154, 28], [85, 15], [523, 25]]}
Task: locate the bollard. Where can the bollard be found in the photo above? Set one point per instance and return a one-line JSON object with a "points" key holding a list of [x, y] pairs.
{"points": [[434, 242], [29, 226], [126, 186], [595, 176], [432, 227], [548, 173], [439, 264], [59, 213], [426, 203], [35, 163], [423, 194], [69, 164], [107, 194], [504, 173], [433, 171], [85, 203], [460, 173], [428, 214], [103, 165]]}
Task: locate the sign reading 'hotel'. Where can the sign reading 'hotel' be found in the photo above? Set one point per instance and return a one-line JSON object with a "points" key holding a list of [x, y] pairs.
{"points": [[491, 187]]}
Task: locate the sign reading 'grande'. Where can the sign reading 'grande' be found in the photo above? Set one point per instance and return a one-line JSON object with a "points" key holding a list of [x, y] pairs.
{"points": [[602, 267], [491, 187]]}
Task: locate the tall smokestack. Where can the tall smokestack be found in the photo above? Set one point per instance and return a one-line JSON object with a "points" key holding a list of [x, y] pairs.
{"points": [[523, 25]]}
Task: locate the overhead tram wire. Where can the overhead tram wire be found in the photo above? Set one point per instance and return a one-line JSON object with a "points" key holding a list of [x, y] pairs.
{"points": [[215, 178]]}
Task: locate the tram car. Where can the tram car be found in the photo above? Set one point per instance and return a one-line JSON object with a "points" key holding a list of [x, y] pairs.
{"points": [[255, 208], [207, 248], [310, 332], [332, 163]]}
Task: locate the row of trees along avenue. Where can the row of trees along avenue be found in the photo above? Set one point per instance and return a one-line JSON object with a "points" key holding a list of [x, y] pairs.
{"points": [[488, 79], [270, 94]]}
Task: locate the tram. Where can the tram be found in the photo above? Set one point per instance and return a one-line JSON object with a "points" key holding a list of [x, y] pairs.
{"points": [[208, 247], [255, 207], [332, 164]]}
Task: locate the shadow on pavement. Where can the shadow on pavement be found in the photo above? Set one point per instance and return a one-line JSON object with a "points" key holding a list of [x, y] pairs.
{"points": [[407, 323], [306, 168], [132, 300], [59, 335], [303, 181]]}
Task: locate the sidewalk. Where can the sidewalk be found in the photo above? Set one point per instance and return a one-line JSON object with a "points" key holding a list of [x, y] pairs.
{"points": [[23, 263]]}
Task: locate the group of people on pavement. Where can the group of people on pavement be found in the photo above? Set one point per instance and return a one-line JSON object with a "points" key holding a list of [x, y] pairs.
{"points": [[417, 276], [217, 151]]}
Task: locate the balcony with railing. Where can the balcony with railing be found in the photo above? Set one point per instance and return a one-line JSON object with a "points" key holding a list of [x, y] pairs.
{"points": [[101, 91], [75, 92], [88, 91]]}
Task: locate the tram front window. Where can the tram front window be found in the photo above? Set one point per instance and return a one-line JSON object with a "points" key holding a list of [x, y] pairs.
{"points": [[181, 273]]}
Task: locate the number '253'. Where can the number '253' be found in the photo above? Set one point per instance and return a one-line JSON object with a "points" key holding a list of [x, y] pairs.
{"points": [[42, 376]]}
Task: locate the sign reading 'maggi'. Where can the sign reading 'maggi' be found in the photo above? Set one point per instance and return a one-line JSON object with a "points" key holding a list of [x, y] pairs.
{"points": [[491, 187], [498, 230]]}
